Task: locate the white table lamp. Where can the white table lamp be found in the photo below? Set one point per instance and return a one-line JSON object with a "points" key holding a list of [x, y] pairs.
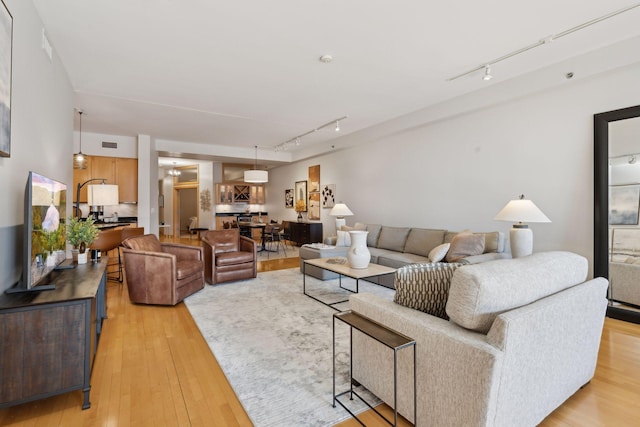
{"points": [[520, 236], [340, 210]]}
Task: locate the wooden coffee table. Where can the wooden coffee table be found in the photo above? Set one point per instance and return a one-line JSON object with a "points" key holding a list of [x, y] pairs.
{"points": [[343, 269]]}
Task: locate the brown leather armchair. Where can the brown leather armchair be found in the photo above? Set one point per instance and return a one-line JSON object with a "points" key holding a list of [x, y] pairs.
{"points": [[161, 273], [228, 256]]}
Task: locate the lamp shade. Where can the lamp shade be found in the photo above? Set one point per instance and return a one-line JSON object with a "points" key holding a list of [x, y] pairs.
{"points": [[102, 195], [340, 210], [521, 210], [256, 176]]}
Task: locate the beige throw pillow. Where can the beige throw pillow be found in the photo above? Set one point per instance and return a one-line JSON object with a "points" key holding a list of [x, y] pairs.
{"points": [[438, 253], [465, 244], [344, 239]]}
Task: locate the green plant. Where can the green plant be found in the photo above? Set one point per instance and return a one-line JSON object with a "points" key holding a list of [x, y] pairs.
{"points": [[81, 233]]}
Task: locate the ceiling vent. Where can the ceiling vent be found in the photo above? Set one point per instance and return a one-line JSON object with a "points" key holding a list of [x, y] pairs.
{"points": [[106, 144]]}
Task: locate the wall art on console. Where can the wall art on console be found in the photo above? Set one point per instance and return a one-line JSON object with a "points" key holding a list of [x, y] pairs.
{"points": [[623, 204], [314, 178], [6, 41], [288, 198], [301, 194], [328, 195], [314, 206]]}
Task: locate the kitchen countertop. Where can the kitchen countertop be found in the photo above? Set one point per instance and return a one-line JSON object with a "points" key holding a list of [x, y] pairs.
{"points": [[239, 213]]}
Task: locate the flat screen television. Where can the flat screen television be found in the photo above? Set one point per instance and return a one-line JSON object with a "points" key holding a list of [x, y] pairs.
{"points": [[45, 234]]}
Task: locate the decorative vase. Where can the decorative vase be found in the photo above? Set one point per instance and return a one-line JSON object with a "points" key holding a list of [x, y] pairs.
{"points": [[51, 259], [82, 257], [358, 254], [299, 216]]}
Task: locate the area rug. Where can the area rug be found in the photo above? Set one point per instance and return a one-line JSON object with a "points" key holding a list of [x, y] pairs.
{"points": [[274, 345]]}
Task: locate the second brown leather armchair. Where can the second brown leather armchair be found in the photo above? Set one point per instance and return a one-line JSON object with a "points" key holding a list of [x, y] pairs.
{"points": [[161, 273], [228, 256]]}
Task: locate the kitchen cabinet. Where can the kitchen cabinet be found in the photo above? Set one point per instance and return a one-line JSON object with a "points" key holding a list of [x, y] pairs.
{"points": [[127, 179], [227, 194], [114, 170]]}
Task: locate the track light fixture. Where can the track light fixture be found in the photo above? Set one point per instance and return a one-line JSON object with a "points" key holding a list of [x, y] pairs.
{"points": [[543, 41], [297, 139], [487, 73]]}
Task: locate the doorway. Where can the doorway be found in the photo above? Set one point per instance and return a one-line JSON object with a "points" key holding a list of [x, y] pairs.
{"points": [[185, 207]]}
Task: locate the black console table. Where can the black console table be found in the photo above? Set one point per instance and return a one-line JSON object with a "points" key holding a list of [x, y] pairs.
{"points": [[48, 339], [305, 232]]}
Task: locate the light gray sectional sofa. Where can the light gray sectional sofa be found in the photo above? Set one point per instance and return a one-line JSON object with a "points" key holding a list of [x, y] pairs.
{"points": [[398, 246], [522, 336]]}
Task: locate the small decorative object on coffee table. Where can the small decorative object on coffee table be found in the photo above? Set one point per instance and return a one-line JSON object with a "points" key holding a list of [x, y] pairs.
{"points": [[358, 254]]}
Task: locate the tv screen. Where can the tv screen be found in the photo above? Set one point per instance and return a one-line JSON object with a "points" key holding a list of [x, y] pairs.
{"points": [[45, 208]]}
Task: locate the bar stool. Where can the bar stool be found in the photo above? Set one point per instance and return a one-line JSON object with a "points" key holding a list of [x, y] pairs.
{"points": [[106, 241]]}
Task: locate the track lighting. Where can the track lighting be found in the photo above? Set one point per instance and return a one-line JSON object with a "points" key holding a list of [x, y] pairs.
{"points": [[487, 73], [297, 139], [542, 41]]}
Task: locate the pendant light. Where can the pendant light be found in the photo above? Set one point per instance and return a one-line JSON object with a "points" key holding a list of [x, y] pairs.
{"points": [[255, 175], [79, 159], [174, 171]]}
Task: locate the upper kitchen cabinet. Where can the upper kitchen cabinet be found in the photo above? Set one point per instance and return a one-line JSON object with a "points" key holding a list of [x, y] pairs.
{"points": [[114, 170]]}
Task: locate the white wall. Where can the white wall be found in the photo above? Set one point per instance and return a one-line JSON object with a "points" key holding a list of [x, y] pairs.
{"points": [[41, 131], [459, 171]]}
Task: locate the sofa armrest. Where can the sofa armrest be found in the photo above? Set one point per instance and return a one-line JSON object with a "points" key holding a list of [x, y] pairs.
{"points": [[456, 368], [489, 256], [183, 251], [330, 240]]}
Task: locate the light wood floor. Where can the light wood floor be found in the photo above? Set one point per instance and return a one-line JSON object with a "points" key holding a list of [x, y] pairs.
{"points": [[153, 368]]}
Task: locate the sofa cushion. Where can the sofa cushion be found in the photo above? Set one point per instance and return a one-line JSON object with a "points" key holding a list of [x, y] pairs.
{"points": [[480, 292], [393, 238], [438, 253], [493, 240], [374, 233], [399, 259], [424, 287], [422, 240], [465, 244]]}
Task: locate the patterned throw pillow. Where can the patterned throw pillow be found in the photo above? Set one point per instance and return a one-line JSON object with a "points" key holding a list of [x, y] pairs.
{"points": [[425, 287]]}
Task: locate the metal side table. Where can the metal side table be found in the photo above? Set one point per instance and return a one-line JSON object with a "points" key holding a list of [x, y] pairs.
{"points": [[387, 337]]}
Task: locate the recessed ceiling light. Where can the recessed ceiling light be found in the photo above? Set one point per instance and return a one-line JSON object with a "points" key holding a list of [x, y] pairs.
{"points": [[326, 58]]}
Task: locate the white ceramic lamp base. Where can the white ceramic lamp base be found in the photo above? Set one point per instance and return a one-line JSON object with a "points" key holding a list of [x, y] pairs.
{"points": [[521, 242], [339, 223]]}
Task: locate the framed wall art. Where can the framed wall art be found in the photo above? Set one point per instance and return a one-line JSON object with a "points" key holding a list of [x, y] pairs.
{"points": [[328, 195], [6, 41], [314, 178], [624, 201], [314, 206], [300, 194], [288, 198]]}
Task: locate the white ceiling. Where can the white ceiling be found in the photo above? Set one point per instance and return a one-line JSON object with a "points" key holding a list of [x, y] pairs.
{"points": [[246, 73]]}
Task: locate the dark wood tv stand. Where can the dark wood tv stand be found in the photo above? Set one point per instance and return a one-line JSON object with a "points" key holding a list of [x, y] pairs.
{"points": [[48, 339]]}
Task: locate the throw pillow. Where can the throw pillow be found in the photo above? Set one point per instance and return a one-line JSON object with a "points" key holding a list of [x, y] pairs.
{"points": [[465, 244], [438, 253], [344, 239], [424, 287]]}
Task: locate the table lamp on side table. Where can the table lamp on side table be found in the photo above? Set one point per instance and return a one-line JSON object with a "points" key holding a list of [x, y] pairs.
{"points": [[340, 210], [520, 236]]}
